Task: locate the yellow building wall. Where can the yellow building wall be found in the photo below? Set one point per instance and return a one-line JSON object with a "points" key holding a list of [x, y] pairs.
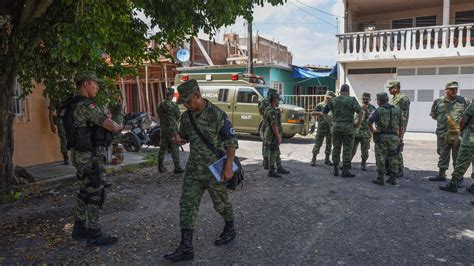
{"points": [[34, 141]]}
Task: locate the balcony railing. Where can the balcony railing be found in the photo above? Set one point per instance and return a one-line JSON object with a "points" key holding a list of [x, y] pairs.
{"points": [[436, 41]]}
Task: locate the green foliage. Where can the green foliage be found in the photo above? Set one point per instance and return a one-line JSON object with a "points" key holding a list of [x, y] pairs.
{"points": [[151, 159], [10, 197]]}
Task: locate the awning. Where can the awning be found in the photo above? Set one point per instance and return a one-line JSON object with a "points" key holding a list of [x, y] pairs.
{"points": [[307, 73]]}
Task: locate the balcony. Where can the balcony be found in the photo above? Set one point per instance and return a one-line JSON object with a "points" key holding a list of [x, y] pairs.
{"points": [[451, 41]]}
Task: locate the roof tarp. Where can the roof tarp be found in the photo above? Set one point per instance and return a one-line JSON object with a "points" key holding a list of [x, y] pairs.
{"points": [[307, 73]]}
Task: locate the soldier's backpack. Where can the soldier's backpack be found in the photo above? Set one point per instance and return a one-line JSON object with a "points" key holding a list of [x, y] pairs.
{"points": [[67, 117]]}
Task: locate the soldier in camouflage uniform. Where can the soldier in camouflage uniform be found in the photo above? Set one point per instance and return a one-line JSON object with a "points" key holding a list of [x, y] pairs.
{"points": [[90, 126], [447, 112], [403, 102], [343, 108], [273, 136], [323, 131], [388, 120], [214, 124], [262, 106], [362, 134], [168, 112], [466, 152], [56, 123]]}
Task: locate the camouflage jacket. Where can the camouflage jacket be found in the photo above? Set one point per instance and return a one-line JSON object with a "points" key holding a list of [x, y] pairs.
{"points": [[403, 102], [272, 117], [468, 133], [262, 106], [323, 125], [117, 114], [169, 116], [343, 108], [214, 124], [455, 109], [388, 119], [363, 131]]}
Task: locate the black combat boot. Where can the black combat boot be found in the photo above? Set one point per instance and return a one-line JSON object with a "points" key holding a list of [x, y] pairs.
{"points": [[379, 180], [313, 160], [363, 166], [105, 184], [79, 230], [265, 164], [336, 170], [185, 250], [461, 183], [66, 159], [161, 168], [346, 172], [441, 176], [227, 235], [272, 172], [178, 169], [392, 180], [470, 189], [96, 238], [327, 161], [450, 187], [281, 170]]}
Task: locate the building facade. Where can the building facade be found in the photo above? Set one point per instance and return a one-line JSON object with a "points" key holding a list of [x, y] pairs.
{"points": [[423, 44]]}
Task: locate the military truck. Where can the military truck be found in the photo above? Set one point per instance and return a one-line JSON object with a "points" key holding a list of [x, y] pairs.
{"points": [[239, 95]]}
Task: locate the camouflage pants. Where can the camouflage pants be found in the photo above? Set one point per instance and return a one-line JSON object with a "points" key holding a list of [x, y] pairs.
{"points": [[61, 135], [265, 151], [464, 159], [364, 147], [273, 153], [193, 189], [88, 207], [444, 151], [165, 144], [342, 141], [318, 142], [386, 151]]}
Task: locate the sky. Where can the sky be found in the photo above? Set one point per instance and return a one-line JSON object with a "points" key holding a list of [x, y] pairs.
{"points": [[308, 33]]}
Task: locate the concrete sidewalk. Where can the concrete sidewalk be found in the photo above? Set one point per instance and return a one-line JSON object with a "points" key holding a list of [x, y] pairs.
{"points": [[48, 176]]}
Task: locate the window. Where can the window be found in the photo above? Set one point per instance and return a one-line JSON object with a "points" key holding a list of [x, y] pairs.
{"points": [[363, 71], [406, 72], [427, 71], [464, 17], [425, 95], [467, 93], [449, 70], [278, 87], [425, 21], [223, 95], [247, 95], [410, 94], [467, 70], [317, 90], [402, 23], [17, 100]]}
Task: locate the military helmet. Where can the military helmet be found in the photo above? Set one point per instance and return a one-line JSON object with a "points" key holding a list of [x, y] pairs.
{"points": [[82, 76], [452, 85], [383, 96], [186, 90], [330, 94], [392, 83]]}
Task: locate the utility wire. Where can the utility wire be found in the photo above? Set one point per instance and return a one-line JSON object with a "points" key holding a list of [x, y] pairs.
{"points": [[325, 21], [319, 10]]}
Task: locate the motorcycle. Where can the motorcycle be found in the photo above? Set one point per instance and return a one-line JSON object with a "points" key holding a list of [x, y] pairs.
{"points": [[139, 135]]}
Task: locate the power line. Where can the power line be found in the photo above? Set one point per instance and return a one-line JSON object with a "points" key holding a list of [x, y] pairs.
{"points": [[325, 21], [319, 10]]}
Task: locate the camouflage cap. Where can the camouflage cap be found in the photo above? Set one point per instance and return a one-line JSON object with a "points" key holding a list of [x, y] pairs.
{"points": [[330, 94], [452, 85], [392, 83], [383, 96], [366, 95], [272, 96], [186, 90], [85, 75], [169, 91]]}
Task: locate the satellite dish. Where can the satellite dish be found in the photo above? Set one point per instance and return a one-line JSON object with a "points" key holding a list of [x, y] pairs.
{"points": [[183, 55]]}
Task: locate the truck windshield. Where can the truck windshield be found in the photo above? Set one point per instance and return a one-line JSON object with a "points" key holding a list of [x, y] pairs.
{"points": [[264, 91]]}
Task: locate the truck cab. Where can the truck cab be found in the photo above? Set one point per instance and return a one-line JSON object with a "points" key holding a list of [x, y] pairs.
{"points": [[239, 94]]}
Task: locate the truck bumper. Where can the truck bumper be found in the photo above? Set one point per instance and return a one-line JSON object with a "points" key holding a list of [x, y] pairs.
{"points": [[291, 129]]}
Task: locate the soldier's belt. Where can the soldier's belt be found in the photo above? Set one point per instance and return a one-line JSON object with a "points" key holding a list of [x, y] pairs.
{"points": [[388, 133]]}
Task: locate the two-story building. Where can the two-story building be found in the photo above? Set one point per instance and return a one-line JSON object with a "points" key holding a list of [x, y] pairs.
{"points": [[422, 43]]}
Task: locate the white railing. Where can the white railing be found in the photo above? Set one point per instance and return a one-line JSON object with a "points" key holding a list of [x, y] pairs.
{"points": [[308, 102], [407, 42]]}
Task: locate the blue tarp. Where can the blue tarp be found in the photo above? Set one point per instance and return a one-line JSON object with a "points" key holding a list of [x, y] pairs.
{"points": [[307, 73]]}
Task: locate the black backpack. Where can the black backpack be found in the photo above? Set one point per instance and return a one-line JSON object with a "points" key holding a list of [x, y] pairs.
{"points": [[67, 117]]}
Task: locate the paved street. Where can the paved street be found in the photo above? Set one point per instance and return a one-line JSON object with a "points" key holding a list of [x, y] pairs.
{"points": [[307, 217]]}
